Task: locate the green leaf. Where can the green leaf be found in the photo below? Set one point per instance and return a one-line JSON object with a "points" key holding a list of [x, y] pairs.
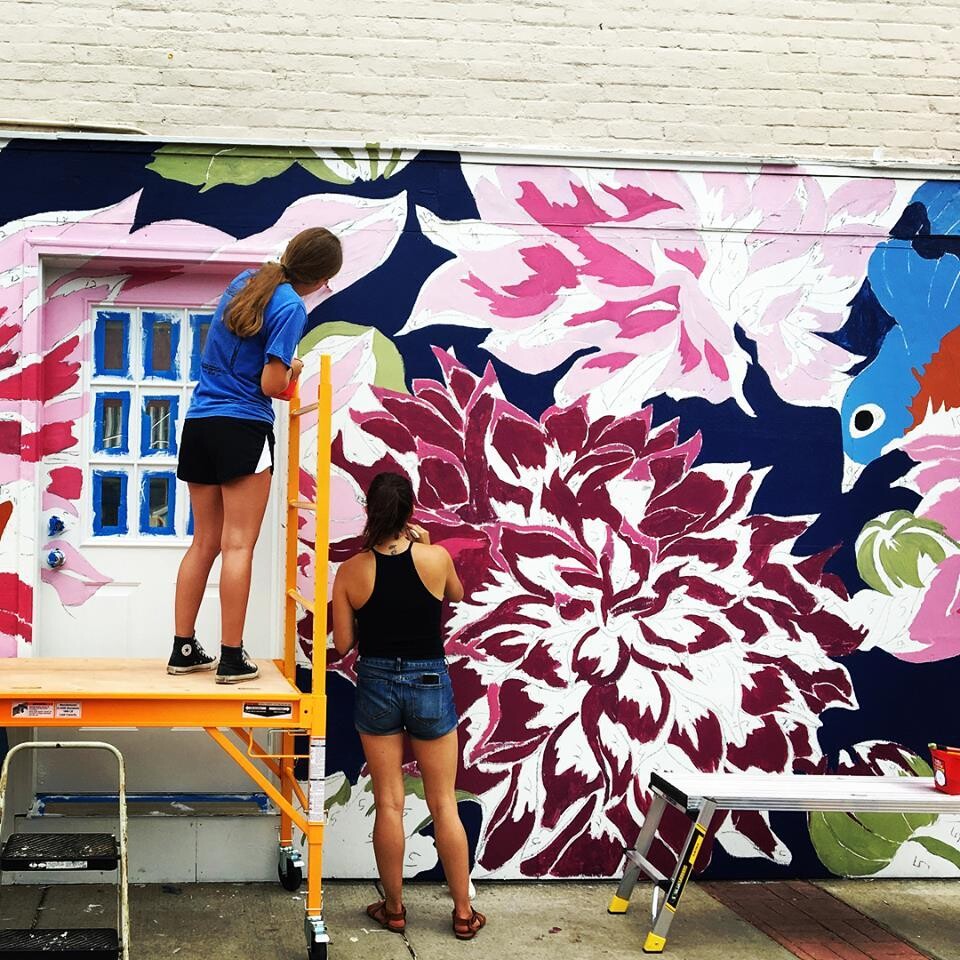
{"points": [[900, 563], [342, 796], [867, 568], [369, 164], [209, 166], [389, 370], [896, 828], [923, 523], [832, 838], [346, 156], [891, 547], [413, 787], [388, 170], [919, 766], [860, 844], [940, 849], [322, 171]]}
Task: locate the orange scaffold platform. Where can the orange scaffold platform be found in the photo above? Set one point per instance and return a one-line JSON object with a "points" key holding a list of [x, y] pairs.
{"points": [[54, 692]]}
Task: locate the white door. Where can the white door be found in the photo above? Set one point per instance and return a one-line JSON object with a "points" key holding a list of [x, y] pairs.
{"points": [[121, 547]]}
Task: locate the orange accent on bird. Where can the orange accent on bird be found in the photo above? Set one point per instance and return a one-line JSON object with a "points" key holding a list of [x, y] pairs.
{"points": [[940, 380], [6, 511]]}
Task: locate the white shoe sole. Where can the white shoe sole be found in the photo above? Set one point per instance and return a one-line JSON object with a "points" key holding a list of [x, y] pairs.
{"points": [[177, 671], [239, 678]]}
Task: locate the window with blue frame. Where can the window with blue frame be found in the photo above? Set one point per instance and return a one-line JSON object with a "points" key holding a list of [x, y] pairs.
{"points": [[199, 328], [161, 344], [111, 343], [109, 502], [145, 359], [158, 492], [111, 423], [158, 426]]}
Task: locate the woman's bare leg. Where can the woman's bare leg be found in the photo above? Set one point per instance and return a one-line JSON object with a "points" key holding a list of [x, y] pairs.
{"points": [[385, 758], [244, 503], [207, 504], [438, 765]]}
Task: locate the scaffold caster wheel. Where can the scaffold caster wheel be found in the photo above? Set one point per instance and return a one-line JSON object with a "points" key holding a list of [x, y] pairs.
{"points": [[291, 876], [318, 951]]}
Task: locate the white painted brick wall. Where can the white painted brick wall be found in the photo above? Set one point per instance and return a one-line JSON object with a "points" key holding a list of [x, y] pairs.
{"points": [[803, 78]]}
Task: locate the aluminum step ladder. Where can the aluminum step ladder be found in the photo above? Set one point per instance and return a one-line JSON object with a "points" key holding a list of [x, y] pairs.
{"points": [[49, 852]]}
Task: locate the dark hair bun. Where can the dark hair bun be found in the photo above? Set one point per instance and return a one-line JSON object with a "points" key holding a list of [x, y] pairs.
{"points": [[389, 508]]}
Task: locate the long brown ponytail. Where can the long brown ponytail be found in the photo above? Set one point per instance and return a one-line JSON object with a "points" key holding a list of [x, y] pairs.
{"points": [[312, 256]]}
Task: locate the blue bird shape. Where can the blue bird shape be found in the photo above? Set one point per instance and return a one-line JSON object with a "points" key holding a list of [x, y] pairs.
{"points": [[922, 295]]}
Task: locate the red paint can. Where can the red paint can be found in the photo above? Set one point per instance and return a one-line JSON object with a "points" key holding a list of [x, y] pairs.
{"points": [[946, 768], [289, 392]]}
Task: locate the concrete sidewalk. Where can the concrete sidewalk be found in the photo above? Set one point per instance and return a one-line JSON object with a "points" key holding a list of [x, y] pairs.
{"points": [[534, 921]]}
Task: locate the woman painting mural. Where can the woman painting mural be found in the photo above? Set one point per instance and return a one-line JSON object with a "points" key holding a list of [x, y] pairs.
{"points": [[226, 452], [388, 599]]}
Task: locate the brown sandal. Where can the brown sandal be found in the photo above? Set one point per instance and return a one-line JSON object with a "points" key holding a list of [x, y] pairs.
{"points": [[466, 928], [394, 922]]}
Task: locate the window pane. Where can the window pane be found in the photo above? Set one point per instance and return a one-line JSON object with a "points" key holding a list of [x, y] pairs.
{"points": [[200, 330], [158, 417], [158, 492], [113, 344], [112, 424], [162, 353], [161, 344], [110, 493]]}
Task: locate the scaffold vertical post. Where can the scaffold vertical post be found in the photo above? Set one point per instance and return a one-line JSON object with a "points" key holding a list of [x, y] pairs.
{"points": [[317, 760], [292, 529], [290, 613]]}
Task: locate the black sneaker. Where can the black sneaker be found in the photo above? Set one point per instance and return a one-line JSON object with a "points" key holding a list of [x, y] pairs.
{"points": [[188, 657], [235, 667]]}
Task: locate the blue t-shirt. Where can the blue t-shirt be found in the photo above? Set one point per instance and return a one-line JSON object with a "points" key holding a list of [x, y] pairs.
{"points": [[231, 366]]}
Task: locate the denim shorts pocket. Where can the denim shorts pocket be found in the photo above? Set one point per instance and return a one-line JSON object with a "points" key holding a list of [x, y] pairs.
{"points": [[374, 700], [427, 705]]}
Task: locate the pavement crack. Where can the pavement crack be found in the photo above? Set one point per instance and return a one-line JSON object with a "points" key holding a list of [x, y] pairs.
{"points": [[403, 936], [413, 953], [39, 908]]}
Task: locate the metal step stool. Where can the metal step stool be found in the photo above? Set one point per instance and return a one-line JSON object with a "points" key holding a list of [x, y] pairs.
{"points": [[63, 944], [60, 851], [38, 852]]}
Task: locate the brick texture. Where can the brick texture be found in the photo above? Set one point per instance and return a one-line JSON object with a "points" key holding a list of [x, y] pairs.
{"points": [[811, 923], [812, 79]]}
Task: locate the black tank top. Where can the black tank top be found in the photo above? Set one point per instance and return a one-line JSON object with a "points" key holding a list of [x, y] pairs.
{"points": [[402, 617]]}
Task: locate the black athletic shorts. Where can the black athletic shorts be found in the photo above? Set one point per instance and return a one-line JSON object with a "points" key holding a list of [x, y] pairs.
{"points": [[219, 449]]}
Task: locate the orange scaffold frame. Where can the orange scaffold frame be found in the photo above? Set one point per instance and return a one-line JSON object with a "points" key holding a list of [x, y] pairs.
{"points": [[54, 692]]}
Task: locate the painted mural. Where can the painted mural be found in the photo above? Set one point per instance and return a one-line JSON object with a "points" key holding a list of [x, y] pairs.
{"points": [[692, 437]]}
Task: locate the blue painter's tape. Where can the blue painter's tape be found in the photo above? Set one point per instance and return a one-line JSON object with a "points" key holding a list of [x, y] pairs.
{"points": [[146, 450], [100, 527], [260, 799], [151, 480], [150, 320], [199, 326], [100, 368], [100, 441]]}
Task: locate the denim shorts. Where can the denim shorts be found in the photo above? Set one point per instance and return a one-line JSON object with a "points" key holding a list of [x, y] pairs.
{"points": [[394, 695]]}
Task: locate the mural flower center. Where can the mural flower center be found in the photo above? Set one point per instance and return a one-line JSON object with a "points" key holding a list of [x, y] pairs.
{"points": [[623, 608]]}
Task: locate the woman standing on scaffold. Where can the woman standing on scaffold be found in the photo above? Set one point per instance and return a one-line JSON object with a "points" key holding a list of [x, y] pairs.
{"points": [[226, 451], [388, 599]]}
